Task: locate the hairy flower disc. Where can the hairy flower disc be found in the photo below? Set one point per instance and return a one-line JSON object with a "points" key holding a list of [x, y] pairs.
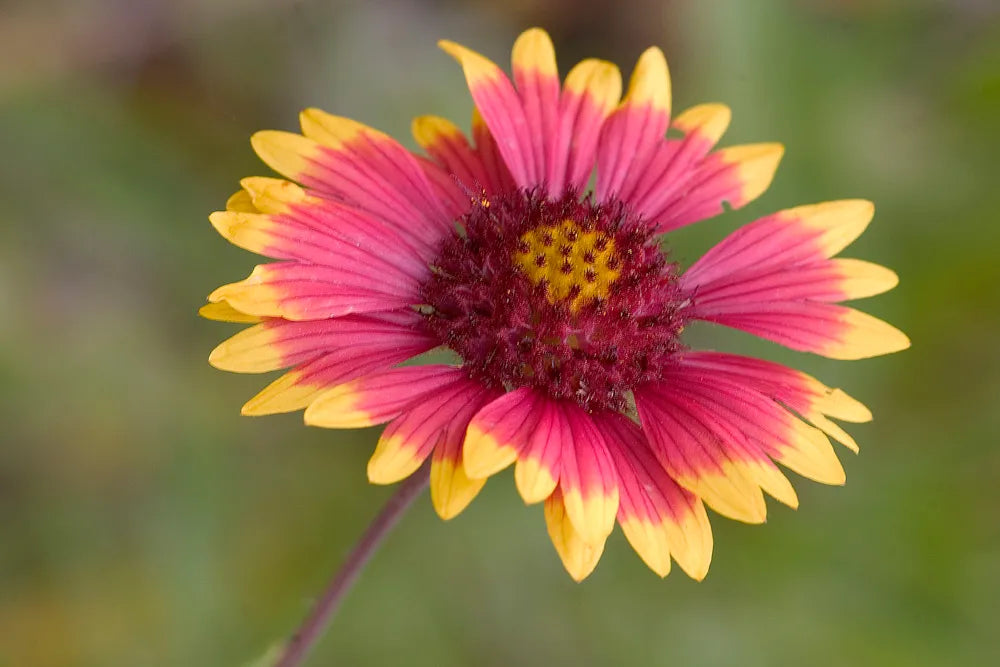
{"points": [[570, 297]]}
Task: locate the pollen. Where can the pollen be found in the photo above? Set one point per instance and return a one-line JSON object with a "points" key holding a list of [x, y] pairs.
{"points": [[574, 264]]}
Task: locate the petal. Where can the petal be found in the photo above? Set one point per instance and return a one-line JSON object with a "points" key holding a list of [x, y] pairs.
{"points": [[410, 438], [591, 91], [587, 477], [378, 397], [451, 489], [832, 331], [537, 470], [298, 291], [801, 393], [636, 127], [696, 458], [241, 202], [732, 177], [278, 343], [499, 431], [318, 229], [827, 280], [447, 145], [660, 518], [221, 311], [359, 166], [533, 62], [800, 235], [284, 237], [578, 556], [673, 163], [499, 179], [501, 109], [774, 278], [299, 387], [779, 433]]}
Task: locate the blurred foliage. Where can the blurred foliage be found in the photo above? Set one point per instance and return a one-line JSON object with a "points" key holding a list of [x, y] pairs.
{"points": [[144, 522]]}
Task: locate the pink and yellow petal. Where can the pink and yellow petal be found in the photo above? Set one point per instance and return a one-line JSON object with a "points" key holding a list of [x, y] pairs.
{"points": [[451, 489], [635, 127], [591, 92], [829, 330], [587, 477], [777, 432], [798, 236], [379, 397], [660, 519], [410, 438], [695, 457], [533, 61], [298, 291], [302, 385], [803, 394], [836, 224], [668, 170], [360, 166], [731, 177], [704, 124], [501, 109], [436, 420], [537, 471], [578, 556], [448, 146], [499, 431]]}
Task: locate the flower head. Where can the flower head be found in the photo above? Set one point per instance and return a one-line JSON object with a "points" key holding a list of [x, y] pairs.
{"points": [[560, 302]]}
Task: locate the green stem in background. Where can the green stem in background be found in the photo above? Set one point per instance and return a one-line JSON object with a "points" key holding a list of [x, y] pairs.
{"points": [[315, 623]]}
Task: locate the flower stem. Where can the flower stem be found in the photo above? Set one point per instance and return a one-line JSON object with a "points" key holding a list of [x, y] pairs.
{"points": [[312, 628]]}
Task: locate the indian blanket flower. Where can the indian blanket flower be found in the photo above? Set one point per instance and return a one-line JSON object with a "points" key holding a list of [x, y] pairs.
{"points": [[558, 300]]}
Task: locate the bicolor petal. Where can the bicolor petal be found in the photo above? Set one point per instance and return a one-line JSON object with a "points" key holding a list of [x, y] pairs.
{"points": [[636, 127], [425, 424], [499, 431], [451, 488], [379, 397], [533, 62], [298, 291], [278, 343], [587, 477], [695, 456], [360, 166], [578, 556], [660, 518], [538, 460], [300, 386], [774, 278], [732, 177], [502, 110], [802, 393]]}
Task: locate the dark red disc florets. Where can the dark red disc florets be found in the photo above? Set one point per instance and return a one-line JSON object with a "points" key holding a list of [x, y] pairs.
{"points": [[568, 296]]}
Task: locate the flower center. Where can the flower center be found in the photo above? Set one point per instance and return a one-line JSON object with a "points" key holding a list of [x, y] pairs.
{"points": [[570, 297], [575, 264]]}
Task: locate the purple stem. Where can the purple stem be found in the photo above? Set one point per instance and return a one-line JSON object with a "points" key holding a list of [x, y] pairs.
{"points": [[312, 628]]}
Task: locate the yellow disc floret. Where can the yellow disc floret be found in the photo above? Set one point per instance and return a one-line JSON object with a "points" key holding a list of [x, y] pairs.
{"points": [[576, 265]]}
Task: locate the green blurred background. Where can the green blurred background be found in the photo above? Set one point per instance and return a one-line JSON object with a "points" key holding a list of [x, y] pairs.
{"points": [[144, 522]]}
